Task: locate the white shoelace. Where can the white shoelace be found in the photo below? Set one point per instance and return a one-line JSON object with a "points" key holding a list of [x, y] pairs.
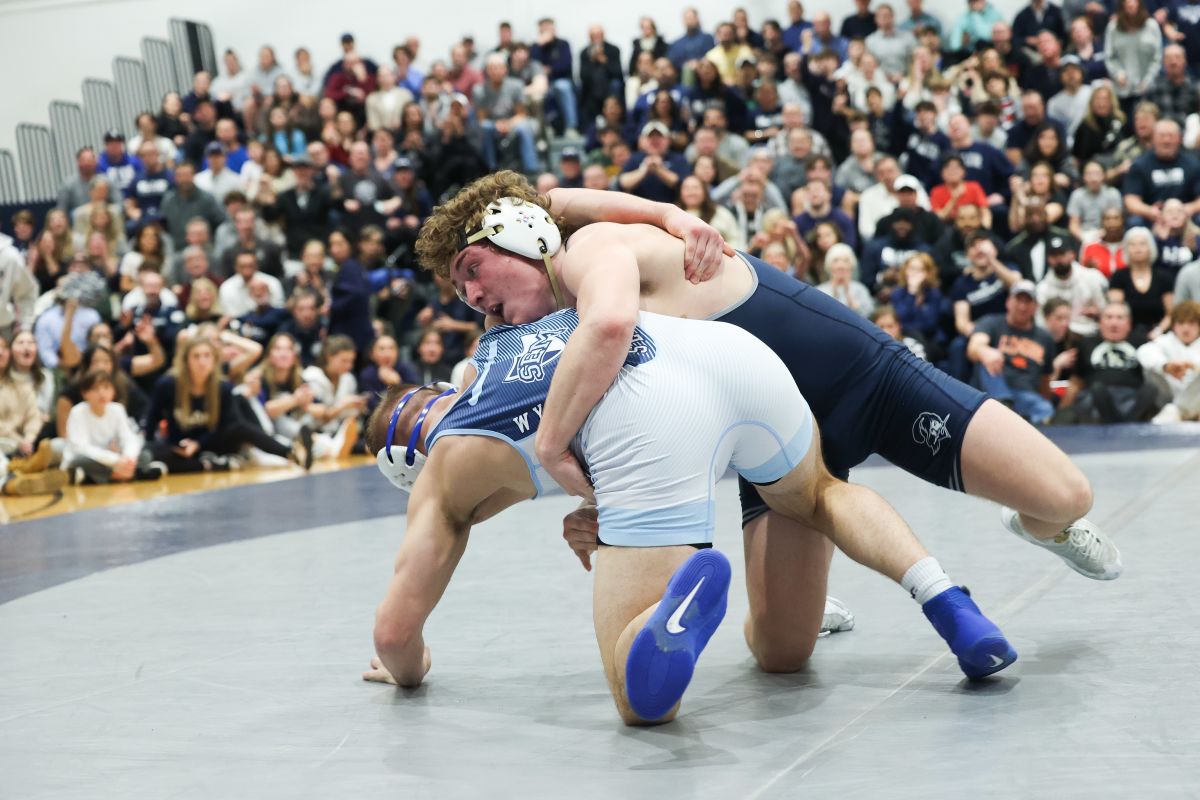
{"points": [[1087, 543]]}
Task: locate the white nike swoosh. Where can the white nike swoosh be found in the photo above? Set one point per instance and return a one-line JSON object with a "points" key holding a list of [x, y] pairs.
{"points": [[996, 660], [673, 626]]}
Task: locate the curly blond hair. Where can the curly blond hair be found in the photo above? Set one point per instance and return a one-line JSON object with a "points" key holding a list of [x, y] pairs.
{"points": [[443, 231]]}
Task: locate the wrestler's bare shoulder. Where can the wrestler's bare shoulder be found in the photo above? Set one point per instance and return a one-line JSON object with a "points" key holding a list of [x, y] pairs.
{"points": [[475, 477], [664, 288]]}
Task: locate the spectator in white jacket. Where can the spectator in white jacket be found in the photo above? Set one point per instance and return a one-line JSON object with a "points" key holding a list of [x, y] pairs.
{"points": [[102, 444], [1173, 360], [18, 290]]}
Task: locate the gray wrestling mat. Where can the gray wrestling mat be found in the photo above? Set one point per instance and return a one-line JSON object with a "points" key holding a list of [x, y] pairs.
{"points": [[233, 672]]}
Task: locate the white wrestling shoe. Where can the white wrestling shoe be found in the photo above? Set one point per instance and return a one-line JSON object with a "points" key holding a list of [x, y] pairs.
{"points": [[837, 617], [1084, 547]]}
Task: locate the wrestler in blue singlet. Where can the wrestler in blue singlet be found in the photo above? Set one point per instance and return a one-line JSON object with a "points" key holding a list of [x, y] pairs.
{"points": [[868, 393]]}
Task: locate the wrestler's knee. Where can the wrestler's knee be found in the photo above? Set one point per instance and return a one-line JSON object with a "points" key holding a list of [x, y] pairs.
{"points": [[1073, 494], [777, 651]]}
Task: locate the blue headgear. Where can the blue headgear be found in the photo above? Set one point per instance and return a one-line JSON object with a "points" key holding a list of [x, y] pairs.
{"points": [[403, 472]]}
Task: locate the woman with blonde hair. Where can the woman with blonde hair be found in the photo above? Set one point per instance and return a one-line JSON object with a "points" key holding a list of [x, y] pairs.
{"points": [[1101, 129], [204, 303], [101, 219], [337, 403], [779, 229], [204, 432]]}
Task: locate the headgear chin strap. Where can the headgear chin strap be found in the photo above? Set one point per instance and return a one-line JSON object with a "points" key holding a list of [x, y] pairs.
{"points": [[403, 472], [520, 227]]}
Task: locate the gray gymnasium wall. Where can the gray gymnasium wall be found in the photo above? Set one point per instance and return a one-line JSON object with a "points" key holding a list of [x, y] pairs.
{"points": [[51, 45]]}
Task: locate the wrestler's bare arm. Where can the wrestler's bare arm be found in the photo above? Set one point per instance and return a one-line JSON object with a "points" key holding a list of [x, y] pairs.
{"points": [[703, 245], [466, 480], [607, 301]]}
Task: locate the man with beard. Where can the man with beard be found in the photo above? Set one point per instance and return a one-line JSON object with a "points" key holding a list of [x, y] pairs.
{"points": [[1085, 289]]}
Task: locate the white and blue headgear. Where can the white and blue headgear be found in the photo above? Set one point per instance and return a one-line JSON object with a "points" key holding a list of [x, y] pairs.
{"points": [[403, 472], [520, 227]]}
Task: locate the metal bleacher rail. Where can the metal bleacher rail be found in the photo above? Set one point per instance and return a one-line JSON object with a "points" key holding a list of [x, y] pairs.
{"points": [[46, 154]]}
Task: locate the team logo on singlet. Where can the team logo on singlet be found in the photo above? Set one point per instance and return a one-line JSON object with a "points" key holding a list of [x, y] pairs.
{"points": [[931, 430], [539, 350]]}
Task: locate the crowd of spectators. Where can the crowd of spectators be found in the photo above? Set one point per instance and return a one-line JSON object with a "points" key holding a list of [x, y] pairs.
{"points": [[232, 277]]}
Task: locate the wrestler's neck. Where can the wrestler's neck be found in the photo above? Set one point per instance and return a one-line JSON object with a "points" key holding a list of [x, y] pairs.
{"points": [[437, 411]]}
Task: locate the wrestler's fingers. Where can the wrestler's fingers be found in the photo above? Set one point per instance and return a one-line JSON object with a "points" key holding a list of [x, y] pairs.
{"points": [[585, 558]]}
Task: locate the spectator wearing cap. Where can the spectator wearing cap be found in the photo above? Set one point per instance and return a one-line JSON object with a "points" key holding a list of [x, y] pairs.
{"points": [[1013, 356], [1163, 173], [185, 202], [1033, 19], [554, 54], [570, 168], [892, 46], [911, 200], [1071, 104], [1174, 92], [116, 164], [1027, 250], [685, 51], [600, 73], [500, 107], [653, 172], [726, 53], [408, 209], [1085, 289], [884, 196], [884, 255], [217, 179]]}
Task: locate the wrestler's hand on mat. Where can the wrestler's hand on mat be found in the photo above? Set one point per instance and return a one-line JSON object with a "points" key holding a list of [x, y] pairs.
{"points": [[567, 472], [703, 246], [581, 529], [378, 673]]}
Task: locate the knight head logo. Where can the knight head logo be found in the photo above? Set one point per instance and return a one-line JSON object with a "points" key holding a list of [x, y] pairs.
{"points": [[539, 350], [931, 430]]}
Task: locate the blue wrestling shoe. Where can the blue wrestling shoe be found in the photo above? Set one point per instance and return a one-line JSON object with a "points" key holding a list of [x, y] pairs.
{"points": [[664, 653], [980, 646]]}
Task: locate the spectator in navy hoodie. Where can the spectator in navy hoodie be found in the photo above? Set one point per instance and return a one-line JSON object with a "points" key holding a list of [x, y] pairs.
{"points": [[350, 296], [116, 164]]}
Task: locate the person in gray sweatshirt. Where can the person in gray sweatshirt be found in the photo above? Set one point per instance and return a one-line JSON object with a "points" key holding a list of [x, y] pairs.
{"points": [[1132, 49]]}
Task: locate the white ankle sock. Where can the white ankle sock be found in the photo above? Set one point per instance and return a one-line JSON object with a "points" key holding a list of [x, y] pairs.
{"points": [[925, 580]]}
